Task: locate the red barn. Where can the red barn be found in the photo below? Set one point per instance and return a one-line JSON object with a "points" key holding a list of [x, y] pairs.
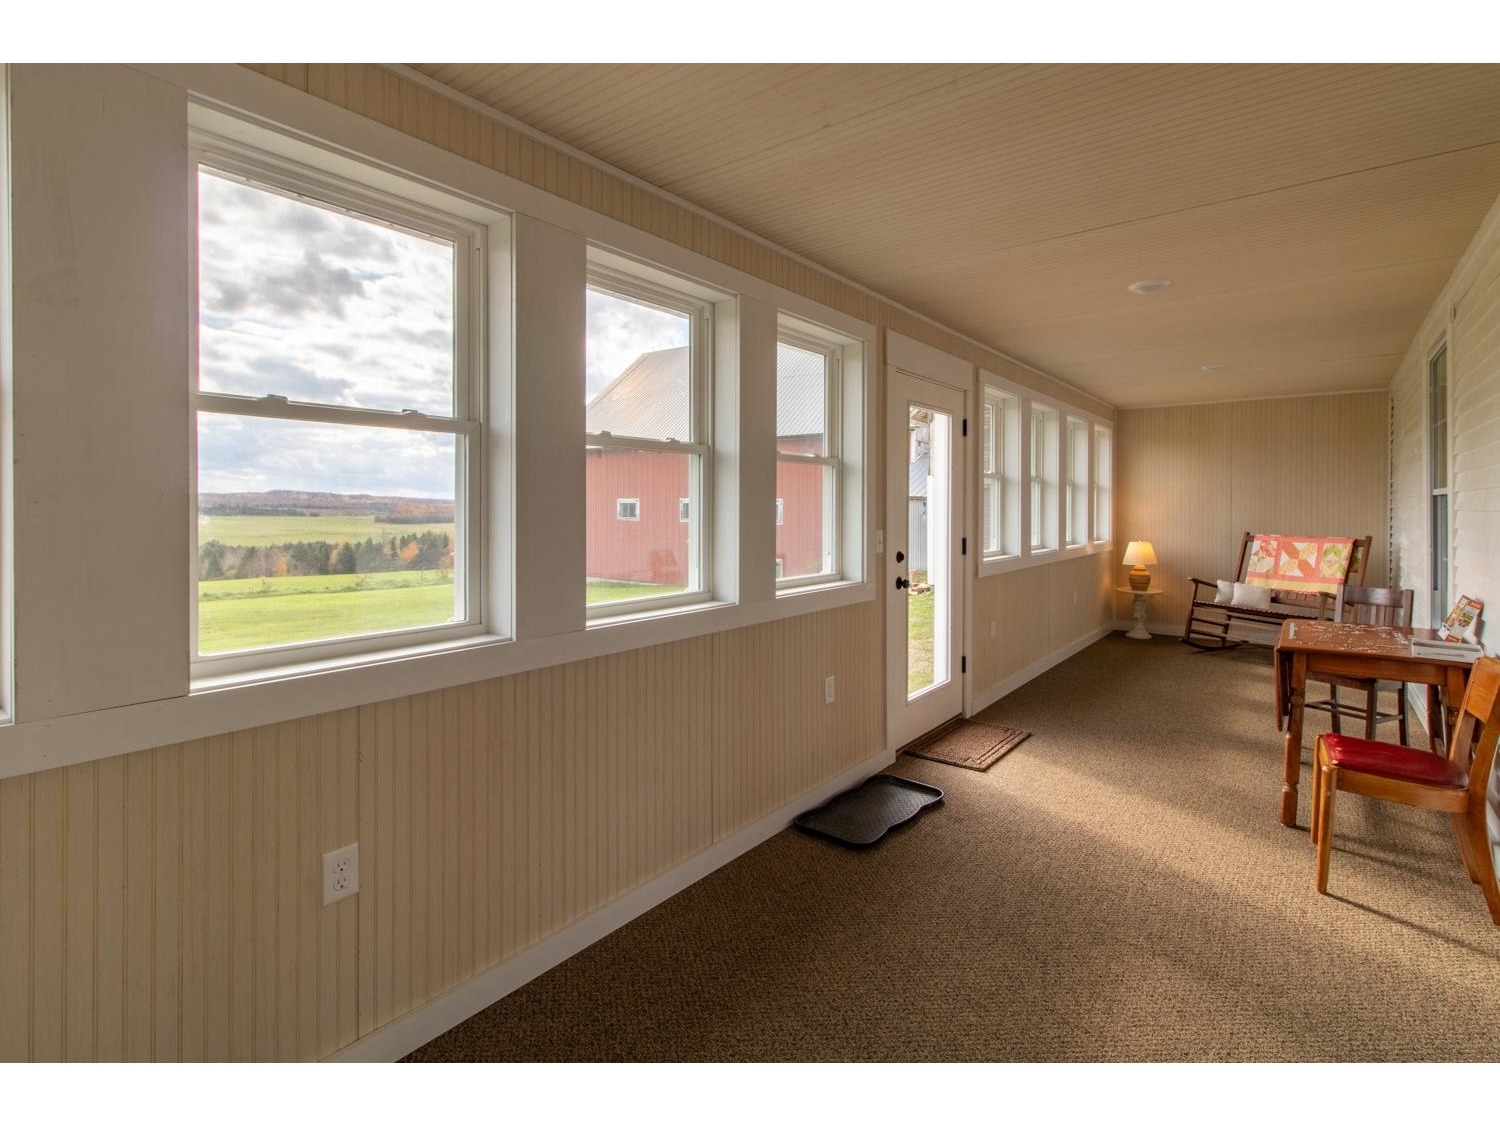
{"points": [[638, 501]]}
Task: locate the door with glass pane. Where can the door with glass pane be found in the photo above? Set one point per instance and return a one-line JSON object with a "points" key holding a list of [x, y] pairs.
{"points": [[924, 556]]}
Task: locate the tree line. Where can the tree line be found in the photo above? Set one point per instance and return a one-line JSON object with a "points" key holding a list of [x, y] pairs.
{"points": [[418, 551]]}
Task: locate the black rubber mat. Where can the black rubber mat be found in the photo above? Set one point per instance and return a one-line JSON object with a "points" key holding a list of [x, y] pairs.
{"points": [[861, 816]]}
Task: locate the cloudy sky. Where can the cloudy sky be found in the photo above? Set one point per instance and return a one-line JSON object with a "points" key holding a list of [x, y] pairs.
{"points": [[323, 307], [619, 331]]}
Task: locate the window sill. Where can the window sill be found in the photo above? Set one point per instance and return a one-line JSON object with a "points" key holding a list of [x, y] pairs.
{"points": [[1047, 557], [219, 705]]}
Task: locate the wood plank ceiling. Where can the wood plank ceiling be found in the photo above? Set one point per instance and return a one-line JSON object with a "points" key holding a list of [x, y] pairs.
{"points": [[1306, 215]]}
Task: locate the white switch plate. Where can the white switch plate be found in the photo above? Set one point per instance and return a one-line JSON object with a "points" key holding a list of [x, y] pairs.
{"points": [[828, 690]]}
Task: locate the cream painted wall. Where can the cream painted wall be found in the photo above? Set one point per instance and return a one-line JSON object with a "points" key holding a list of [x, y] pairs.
{"points": [[166, 903], [1192, 480]]}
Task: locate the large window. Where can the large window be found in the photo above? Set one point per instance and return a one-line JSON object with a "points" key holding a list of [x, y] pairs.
{"points": [[1042, 473], [1000, 494], [1076, 494], [337, 407], [1437, 447], [646, 358], [807, 459], [1103, 477]]}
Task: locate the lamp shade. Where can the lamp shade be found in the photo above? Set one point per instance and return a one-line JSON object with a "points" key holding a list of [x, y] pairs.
{"points": [[1139, 553]]}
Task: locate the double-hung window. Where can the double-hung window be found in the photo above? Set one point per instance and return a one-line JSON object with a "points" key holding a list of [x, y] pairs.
{"points": [[807, 459], [1076, 495], [1000, 437], [646, 357], [339, 406], [1103, 477], [1042, 472]]}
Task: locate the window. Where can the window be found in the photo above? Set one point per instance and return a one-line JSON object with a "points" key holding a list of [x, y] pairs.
{"points": [[338, 412], [1000, 494], [1043, 478], [628, 509], [646, 380], [1437, 448], [1103, 475], [1076, 495], [807, 458]]}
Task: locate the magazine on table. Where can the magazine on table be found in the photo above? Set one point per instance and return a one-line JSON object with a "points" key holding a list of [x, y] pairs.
{"points": [[1462, 623]]}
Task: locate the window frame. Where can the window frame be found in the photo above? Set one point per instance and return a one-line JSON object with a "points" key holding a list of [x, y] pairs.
{"points": [[1101, 504], [796, 336], [1439, 442], [279, 174], [1021, 403], [1076, 487], [1042, 477], [654, 289], [1004, 472]]}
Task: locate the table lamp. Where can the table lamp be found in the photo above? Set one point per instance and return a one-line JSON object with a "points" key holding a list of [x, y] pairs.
{"points": [[1138, 554]]}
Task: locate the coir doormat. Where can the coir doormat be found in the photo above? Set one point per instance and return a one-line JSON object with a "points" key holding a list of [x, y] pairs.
{"points": [[973, 746]]}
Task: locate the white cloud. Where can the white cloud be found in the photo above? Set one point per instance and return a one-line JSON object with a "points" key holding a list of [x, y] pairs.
{"points": [[321, 307], [619, 331]]}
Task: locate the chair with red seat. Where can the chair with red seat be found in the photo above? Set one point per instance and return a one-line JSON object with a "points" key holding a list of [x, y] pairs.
{"points": [[1459, 784]]}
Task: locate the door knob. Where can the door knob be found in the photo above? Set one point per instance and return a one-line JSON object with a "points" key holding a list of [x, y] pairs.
{"points": [[901, 584]]}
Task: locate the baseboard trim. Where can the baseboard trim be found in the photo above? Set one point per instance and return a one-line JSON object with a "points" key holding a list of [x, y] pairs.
{"points": [[1031, 672], [410, 1031]]}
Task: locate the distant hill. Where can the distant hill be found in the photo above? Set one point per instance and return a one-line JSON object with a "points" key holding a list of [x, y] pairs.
{"points": [[295, 502]]}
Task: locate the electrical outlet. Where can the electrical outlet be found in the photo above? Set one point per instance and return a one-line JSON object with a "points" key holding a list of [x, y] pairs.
{"points": [[340, 873], [828, 690], [992, 629], [1075, 598]]}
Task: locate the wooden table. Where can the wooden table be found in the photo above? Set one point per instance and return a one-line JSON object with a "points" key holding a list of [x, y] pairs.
{"points": [[1310, 649]]}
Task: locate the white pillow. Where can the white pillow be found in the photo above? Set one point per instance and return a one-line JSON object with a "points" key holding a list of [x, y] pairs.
{"points": [[1226, 593], [1251, 597]]}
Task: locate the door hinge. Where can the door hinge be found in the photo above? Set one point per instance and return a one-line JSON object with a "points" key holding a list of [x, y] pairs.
{"points": [[965, 542], [963, 664], [966, 428]]}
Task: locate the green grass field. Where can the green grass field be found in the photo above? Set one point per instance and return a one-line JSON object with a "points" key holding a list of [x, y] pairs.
{"points": [[252, 613], [605, 590], [919, 643], [259, 531]]}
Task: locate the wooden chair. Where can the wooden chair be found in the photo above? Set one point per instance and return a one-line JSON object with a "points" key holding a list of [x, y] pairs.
{"points": [[1369, 605], [1459, 784]]}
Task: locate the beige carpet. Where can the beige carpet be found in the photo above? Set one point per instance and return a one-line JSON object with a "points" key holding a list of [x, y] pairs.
{"points": [[971, 745], [1120, 890]]}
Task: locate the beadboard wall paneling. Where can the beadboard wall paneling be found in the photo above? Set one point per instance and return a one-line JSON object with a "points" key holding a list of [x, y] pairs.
{"points": [[167, 904], [489, 817], [1036, 611], [1466, 315], [1193, 479]]}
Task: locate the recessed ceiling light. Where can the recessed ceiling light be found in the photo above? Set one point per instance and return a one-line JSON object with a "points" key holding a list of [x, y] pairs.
{"points": [[1214, 369], [1149, 285]]}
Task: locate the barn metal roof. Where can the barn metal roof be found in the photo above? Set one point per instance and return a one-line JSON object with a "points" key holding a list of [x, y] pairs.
{"points": [[649, 399]]}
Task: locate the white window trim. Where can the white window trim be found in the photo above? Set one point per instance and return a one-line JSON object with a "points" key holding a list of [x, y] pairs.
{"points": [[1075, 525], [271, 171], [1101, 484], [799, 336], [1026, 556], [1440, 588], [656, 289], [621, 502], [234, 102]]}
